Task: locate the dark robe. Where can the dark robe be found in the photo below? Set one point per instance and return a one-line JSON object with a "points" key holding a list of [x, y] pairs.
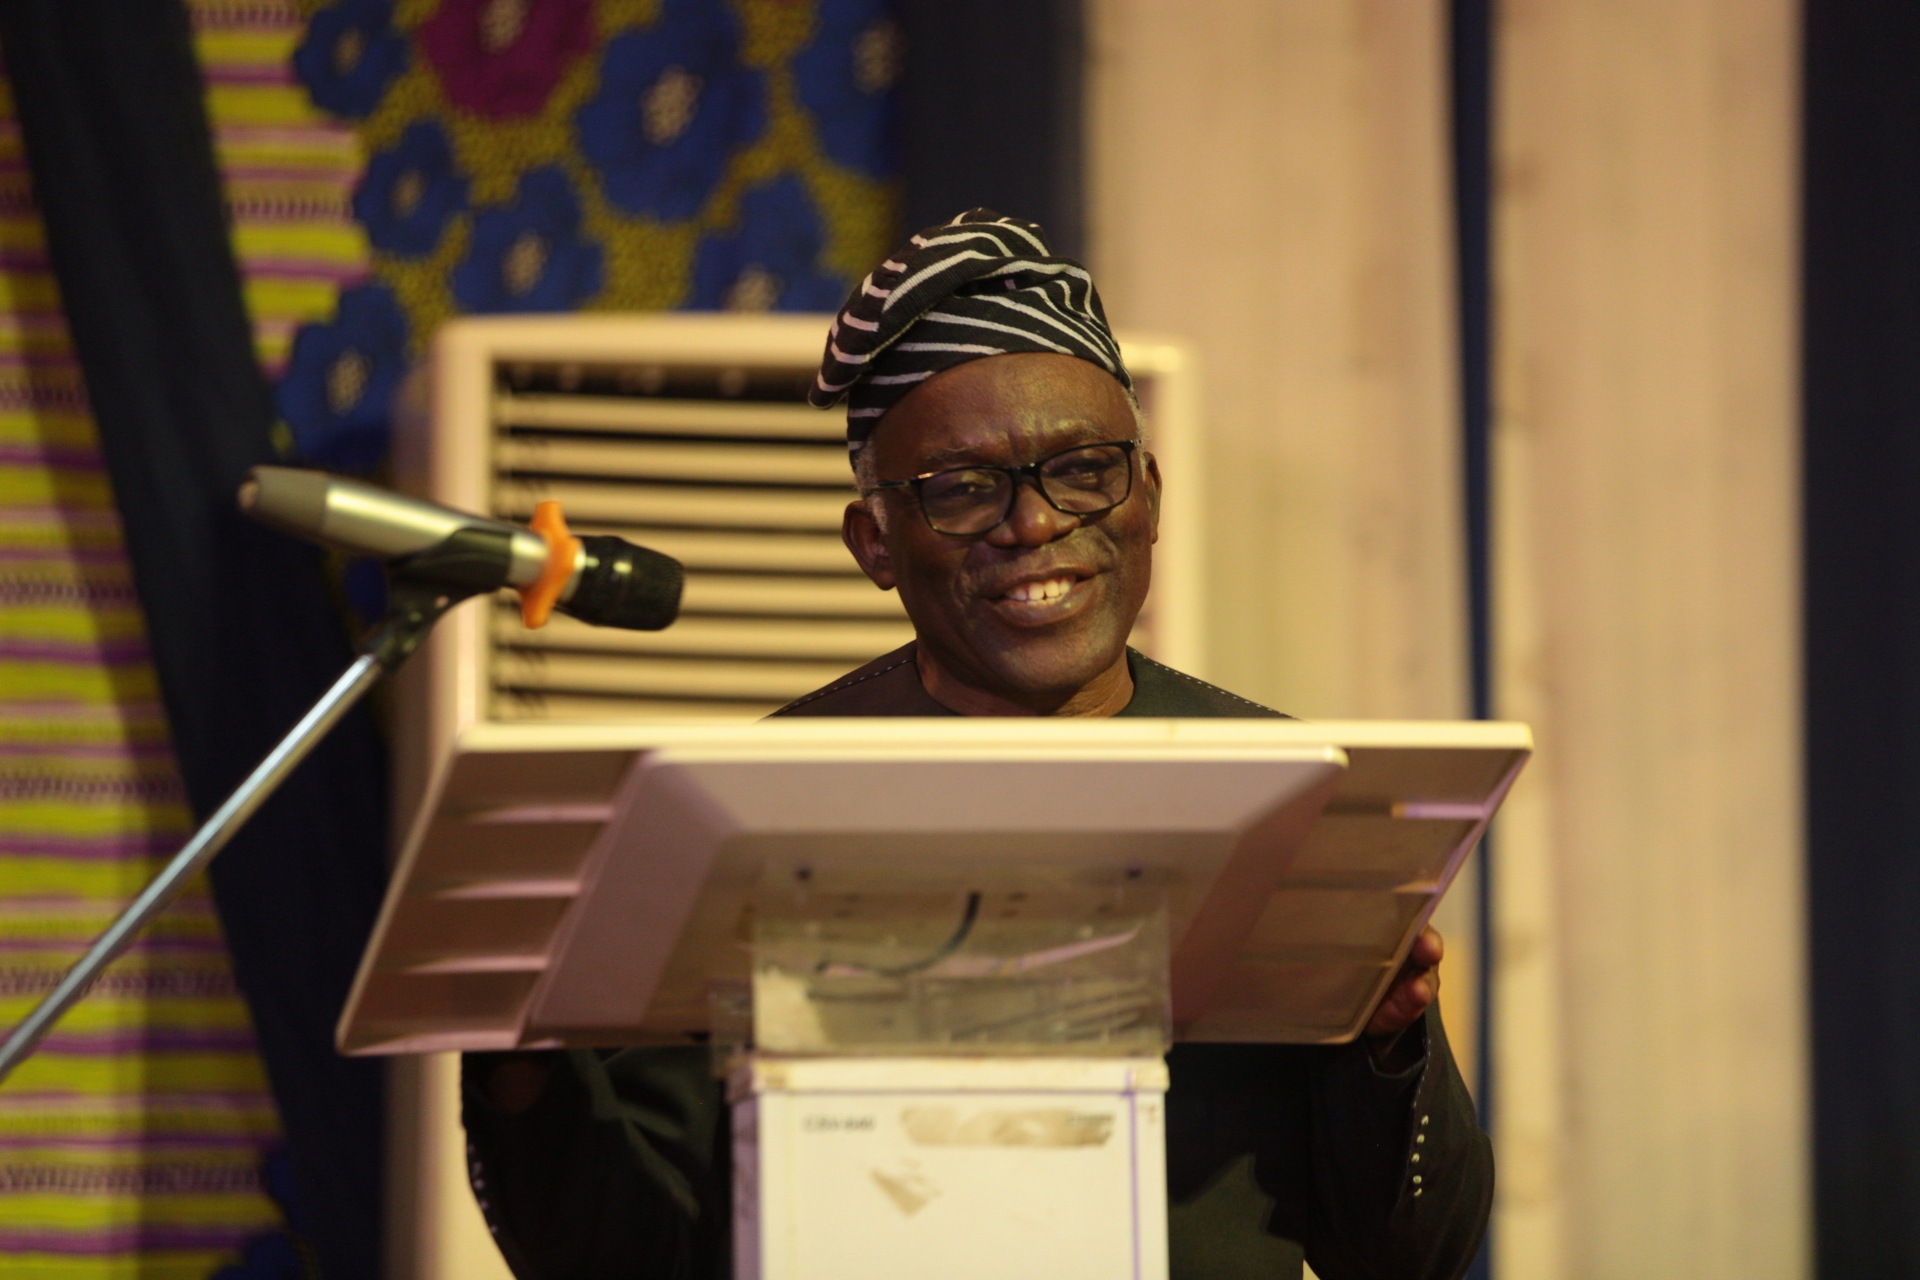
{"points": [[622, 1167]]}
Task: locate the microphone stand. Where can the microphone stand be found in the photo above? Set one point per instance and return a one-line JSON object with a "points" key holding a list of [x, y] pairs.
{"points": [[422, 588]]}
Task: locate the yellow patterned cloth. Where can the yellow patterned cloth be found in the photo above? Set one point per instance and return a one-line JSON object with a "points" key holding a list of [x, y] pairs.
{"points": [[134, 1143]]}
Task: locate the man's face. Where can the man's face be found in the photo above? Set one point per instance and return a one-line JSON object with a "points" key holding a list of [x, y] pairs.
{"points": [[1037, 608]]}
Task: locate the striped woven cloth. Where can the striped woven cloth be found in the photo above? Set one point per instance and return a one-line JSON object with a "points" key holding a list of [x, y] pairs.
{"points": [[980, 285], [133, 1143]]}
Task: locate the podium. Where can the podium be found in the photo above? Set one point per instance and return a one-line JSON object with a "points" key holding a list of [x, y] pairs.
{"points": [[938, 962]]}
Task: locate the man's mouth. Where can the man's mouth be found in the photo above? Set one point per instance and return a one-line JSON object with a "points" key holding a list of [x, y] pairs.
{"points": [[1042, 591], [1039, 601]]}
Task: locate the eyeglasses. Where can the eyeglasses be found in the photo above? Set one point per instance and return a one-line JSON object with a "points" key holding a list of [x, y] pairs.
{"points": [[1082, 481]]}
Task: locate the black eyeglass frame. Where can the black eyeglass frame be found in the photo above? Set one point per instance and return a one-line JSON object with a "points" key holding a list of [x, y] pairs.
{"points": [[1030, 471]]}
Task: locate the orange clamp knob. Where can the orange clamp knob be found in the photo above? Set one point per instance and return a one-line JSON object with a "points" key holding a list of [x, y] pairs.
{"points": [[538, 597]]}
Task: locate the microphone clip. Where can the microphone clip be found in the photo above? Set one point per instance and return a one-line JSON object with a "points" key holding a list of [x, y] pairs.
{"points": [[421, 587]]}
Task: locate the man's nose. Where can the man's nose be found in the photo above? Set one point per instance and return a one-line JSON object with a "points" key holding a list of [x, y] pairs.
{"points": [[1032, 521]]}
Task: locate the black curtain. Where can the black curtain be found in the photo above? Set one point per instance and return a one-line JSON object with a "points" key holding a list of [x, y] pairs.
{"points": [[1861, 352], [243, 634], [1470, 67], [990, 113]]}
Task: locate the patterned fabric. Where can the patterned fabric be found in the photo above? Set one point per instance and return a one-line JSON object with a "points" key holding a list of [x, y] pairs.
{"points": [[981, 285], [289, 170], [523, 155], [141, 1140], [560, 155]]}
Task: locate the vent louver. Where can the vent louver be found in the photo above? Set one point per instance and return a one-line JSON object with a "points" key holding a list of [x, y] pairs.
{"points": [[727, 470]]}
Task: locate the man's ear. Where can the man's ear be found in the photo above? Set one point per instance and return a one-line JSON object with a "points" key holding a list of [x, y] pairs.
{"points": [[861, 533], [1150, 476]]}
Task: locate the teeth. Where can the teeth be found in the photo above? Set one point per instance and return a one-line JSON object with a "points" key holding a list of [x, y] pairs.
{"points": [[1041, 592]]}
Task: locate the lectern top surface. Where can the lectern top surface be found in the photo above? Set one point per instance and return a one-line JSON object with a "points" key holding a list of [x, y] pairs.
{"points": [[581, 883]]}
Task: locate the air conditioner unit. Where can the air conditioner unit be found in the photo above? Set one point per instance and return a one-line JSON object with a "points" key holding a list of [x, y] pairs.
{"points": [[688, 434]]}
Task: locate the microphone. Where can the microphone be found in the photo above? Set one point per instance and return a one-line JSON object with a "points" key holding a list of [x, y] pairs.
{"points": [[605, 581]]}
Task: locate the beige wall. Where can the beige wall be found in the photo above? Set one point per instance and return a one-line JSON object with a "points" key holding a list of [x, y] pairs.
{"points": [[1269, 180], [1650, 1006]]}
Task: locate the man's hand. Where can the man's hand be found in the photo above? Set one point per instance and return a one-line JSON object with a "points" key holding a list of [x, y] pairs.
{"points": [[1416, 986]]}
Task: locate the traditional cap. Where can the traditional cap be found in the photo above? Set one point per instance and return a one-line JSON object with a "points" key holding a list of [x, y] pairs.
{"points": [[981, 285]]}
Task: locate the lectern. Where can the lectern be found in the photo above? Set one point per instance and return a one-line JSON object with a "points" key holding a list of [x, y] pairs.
{"points": [[938, 962]]}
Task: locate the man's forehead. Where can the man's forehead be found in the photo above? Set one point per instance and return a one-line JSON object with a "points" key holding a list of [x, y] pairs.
{"points": [[1006, 402], [983, 441]]}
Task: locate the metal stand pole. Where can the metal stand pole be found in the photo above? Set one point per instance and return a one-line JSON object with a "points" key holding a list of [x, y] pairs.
{"points": [[414, 612]]}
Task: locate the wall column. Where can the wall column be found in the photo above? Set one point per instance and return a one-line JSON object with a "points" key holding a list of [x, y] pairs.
{"points": [[1650, 1014]]}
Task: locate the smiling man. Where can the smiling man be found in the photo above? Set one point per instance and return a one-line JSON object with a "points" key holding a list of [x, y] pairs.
{"points": [[1011, 505], [1007, 495]]}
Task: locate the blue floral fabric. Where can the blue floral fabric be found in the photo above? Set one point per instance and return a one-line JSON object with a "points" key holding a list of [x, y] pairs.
{"points": [[410, 192], [674, 105], [846, 76], [529, 255], [350, 55], [554, 155], [772, 263], [341, 380]]}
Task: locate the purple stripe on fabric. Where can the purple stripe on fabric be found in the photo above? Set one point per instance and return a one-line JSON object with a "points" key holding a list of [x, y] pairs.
{"points": [[104, 1044], [302, 269], [74, 944], [317, 173], [145, 1141], [44, 320], [264, 18], [56, 516], [81, 912], [290, 210], [110, 556], [64, 457], [90, 849], [178, 1177], [85, 751], [134, 711], [71, 594], [24, 260], [143, 984], [66, 711], [245, 73], [141, 1238], [17, 399], [115, 653], [65, 784], [38, 360]]}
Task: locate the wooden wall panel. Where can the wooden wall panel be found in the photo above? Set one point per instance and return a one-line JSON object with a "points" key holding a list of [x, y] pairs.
{"points": [[1649, 1000]]}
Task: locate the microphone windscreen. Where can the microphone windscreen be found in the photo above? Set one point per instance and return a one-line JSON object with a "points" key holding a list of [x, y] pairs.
{"points": [[624, 585]]}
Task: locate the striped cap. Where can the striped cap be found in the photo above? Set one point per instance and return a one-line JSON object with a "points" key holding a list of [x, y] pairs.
{"points": [[981, 285]]}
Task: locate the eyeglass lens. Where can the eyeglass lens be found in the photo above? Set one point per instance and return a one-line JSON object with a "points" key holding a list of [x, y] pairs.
{"points": [[1082, 481]]}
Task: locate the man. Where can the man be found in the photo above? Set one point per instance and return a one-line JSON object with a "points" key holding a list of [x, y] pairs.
{"points": [[1006, 494]]}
